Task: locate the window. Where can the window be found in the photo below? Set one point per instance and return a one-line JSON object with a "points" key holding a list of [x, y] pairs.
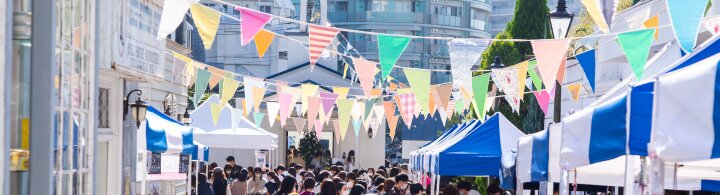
{"points": [[266, 9], [103, 108], [379, 5], [340, 6], [403, 6]]}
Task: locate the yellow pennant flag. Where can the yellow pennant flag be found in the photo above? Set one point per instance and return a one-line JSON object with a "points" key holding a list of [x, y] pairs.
{"points": [[245, 109], [345, 70], [307, 90], [522, 76], [594, 8], [229, 87], [215, 110], [258, 95], [653, 23], [574, 90], [342, 92], [263, 39], [207, 20]]}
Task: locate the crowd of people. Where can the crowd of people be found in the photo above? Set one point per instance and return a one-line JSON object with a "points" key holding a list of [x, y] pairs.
{"points": [[338, 179]]}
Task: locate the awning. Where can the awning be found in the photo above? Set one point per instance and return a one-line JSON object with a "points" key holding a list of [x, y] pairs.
{"points": [[228, 133], [163, 134]]}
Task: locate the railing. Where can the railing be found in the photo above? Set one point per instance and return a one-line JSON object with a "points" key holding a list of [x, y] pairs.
{"points": [[391, 17]]}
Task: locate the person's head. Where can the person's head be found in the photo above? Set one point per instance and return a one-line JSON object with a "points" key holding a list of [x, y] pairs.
{"points": [[464, 187], [394, 172], [404, 168], [450, 190], [227, 169], [416, 189], [494, 189], [272, 177], [280, 169], [291, 165], [298, 167], [212, 165], [288, 185], [323, 175], [327, 187], [292, 171], [388, 185], [371, 171], [342, 175], [382, 172], [361, 173], [309, 174], [308, 184], [334, 170], [378, 181], [362, 182], [351, 177], [202, 178], [357, 189], [242, 175], [256, 172], [218, 174], [230, 160], [401, 181]]}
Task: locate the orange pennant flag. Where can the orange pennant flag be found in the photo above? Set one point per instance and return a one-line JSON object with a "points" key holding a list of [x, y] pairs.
{"points": [[216, 76], [392, 123], [574, 90], [393, 86], [653, 23], [389, 109], [263, 39], [561, 71]]}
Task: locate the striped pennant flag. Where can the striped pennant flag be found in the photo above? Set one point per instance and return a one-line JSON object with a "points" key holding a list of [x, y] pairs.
{"points": [[320, 38]]}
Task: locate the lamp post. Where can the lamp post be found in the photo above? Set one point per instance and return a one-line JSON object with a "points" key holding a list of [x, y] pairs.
{"points": [[560, 21], [186, 118], [137, 109]]}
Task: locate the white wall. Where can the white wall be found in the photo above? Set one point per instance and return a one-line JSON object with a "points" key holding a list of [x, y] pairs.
{"points": [[411, 145]]}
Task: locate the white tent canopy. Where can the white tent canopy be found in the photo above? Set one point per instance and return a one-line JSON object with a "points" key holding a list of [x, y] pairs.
{"points": [[224, 134]]}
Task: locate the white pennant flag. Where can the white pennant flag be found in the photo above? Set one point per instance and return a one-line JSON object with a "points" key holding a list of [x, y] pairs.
{"points": [[272, 108]]}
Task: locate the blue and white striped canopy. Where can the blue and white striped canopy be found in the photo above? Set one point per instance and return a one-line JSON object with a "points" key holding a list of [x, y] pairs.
{"points": [[200, 152], [164, 134]]}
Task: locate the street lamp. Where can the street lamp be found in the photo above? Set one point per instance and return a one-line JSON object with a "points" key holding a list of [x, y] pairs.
{"points": [[186, 118], [560, 20], [137, 109]]}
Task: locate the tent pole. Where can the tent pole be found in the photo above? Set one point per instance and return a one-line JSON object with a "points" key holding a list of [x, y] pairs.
{"points": [[629, 177], [143, 183]]}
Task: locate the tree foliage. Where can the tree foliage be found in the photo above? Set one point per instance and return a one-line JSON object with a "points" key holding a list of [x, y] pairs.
{"points": [[509, 55], [530, 21], [309, 146]]}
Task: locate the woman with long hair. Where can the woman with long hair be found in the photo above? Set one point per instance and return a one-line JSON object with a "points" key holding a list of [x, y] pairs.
{"points": [[327, 187], [256, 183], [273, 182], [287, 186], [350, 161], [239, 186], [219, 181]]}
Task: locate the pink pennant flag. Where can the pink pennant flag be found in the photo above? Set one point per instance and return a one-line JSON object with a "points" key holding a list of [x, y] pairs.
{"points": [[366, 71], [299, 124], [328, 100], [320, 38], [407, 105], [543, 99], [318, 127], [252, 22], [312, 113], [550, 54], [336, 127], [285, 100]]}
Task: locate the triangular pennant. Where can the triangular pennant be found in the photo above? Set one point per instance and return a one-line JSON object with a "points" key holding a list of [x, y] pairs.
{"points": [[375, 92], [636, 45], [252, 24], [173, 14], [319, 127], [307, 91], [357, 110], [201, 82], [216, 76], [366, 71], [263, 39], [543, 99], [228, 89], [328, 101], [392, 87], [313, 110], [419, 80], [272, 108], [344, 108], [369, 105], [390, 48], [299, 124], [601, 12], [286, 103], [587, 61], [549, 54], [389, 109], [392, 124], [506, 80], [653, 23], [320, 38], [433, 101], [464, 54], [574, 90], [258, 96], [298, 110], [443, 92], [342, 92], [451, 108], [561, 71], [443, 116], [207, 21], [536, 80], [345, 68], [357, 124], [244, 107], [215, 110], [406, 103], [522, 70], [480, 88], [279, 86], [235, 117], [258, 116], [685, 17], [374, 126]]}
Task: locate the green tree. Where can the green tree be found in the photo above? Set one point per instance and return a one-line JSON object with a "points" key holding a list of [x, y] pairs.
{"points": [[530, 21], [509, 55], [309, 146]]}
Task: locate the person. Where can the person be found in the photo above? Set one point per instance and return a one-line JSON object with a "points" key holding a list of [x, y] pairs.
{"points": [[327, 187], [287, 186], [316, 162], [308, 186], [350, 161], [280, 170], [273, 183], [388, 186], [371, 172], [342, 175], [334, 170], [320, 177], [339, 183], [219, 181], [465, 188], [426, 179], [203, 187], [450, 190], [404, 169], [357, 190], [394, 172], [232, 169], [494, 189], [376, 185], [291, 172], [239, 186], [416, 189], [401, 185], [257, 183], [350, 180]]}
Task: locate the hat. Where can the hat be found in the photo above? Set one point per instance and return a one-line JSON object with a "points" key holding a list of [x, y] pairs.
{"points": [[217, 170]]}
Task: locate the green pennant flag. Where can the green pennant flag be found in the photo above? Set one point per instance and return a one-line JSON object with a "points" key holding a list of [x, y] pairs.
{"points": [[258, 116], [480, 88], [201, 81], [636, 45], [537, 81], [459, 106], [369, 105], [389, 49], [419, 80], [344, 108]]}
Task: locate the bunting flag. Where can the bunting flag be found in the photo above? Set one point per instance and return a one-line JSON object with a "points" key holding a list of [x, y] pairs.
{"points": [[389, 110], [345, 68], [636, 45], [320, 38], [328, 101], [374, 125], [536, 80], [378, 112], [299, 124], [357, 109], [601, 12], [235, 117], [173, 14], [443, 92], [392, 87], [279, 86], [336, 129], [392, 124], [390, 48], [286, 104], [258, 116], [207, 21], [215, 110], [550, 54], [357, 124], [258, 95], [685, 17], [272, 108], [228, 90], [313, 110], [263, 39], [543, 99], [252, 24], [433, 101], [298, 109], [463, 55], [244, 107], [506, 80], [251, 82], [653, 23], [450, 110], [406, 104], [480, 88], [344, 108], [215, 77], [201, 82], [574, 90], [522, 70], [369, 105], [419, 80], [459, 106], [561, 71], [587, 62], [307, 91], [319, 127], [189, 68], [366, 73], [342, 92], [376, 92]]}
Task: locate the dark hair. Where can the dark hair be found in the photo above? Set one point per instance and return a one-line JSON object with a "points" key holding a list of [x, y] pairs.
{"points": [[342, 175], [415, 188], [382, 172], [298, 167], [371, 169], [309, 174], [287, 185], [327, 187], [394, 172], [402, 177], [309, 183], [450, 190], [339, 182], [323, 175], [357, 189], [280, 168], [351, 156], [494, 188], [351, 177], [212, 166], [242, 175], [230, 158], [274, 177], [464, 185], [362, 182], [388, 185], [292, 171], [403, 167], [201, 178], [361, 172], [378, 180], [335, 169]]}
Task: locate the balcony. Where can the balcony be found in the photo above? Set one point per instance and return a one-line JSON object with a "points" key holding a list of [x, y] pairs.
{"points": [[374, 16]]}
